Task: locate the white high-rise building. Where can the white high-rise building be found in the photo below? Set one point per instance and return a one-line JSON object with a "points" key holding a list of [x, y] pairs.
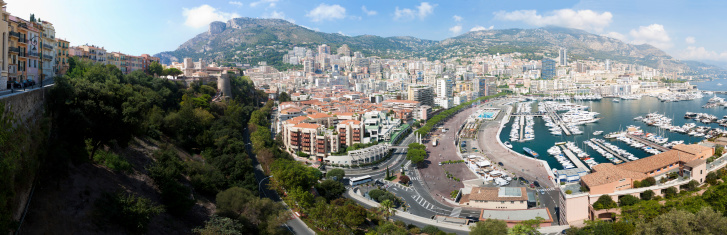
{"points": [[444, 88], [608, 65], [563, 56]]}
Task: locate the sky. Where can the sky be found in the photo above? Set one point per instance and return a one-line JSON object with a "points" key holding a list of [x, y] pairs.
{"points": [[692, 30]]}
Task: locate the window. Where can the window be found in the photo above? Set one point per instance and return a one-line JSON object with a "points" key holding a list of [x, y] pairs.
{"points": [[622, 180], [512, 202], [502, 202]]}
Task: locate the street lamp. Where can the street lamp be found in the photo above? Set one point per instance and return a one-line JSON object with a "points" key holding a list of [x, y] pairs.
{"points": [[259, 185], [34, 41]]}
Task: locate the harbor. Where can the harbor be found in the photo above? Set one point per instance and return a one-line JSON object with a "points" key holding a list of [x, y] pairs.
{"points": [[546, 129]]}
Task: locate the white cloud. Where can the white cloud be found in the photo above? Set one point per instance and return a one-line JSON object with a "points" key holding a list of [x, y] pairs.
{"points": [[271, 3], [236, 3], [422, 11], [699, 53], [616, 35], [581, 19], [653, 34], [368, 12], [457, 18], [202, 16], [480, 28], [690, 40], [327, 12], [456, 29], [278, 15]]}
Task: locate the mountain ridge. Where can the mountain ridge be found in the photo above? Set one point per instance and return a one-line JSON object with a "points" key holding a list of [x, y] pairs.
{"points": [[252, 39]]}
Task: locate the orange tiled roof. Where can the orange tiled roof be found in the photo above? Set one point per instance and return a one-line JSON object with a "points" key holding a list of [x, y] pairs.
{"points": [[307, 126], [319, 115], [296, 120]]}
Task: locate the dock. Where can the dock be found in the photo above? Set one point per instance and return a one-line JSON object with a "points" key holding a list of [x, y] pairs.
{"points": [[573, 158], [556, 118], [522, 128], [604, 147], [648, 143]]}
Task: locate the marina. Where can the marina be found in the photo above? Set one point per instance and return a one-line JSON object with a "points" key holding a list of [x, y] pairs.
{"points": [[614, 118]]}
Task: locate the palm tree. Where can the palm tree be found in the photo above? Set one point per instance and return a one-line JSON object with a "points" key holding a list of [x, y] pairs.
{"points": [[387, 208]]}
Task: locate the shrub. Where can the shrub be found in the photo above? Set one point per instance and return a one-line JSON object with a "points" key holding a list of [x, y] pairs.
{"points": [[429, 229], [568, 191], [130, 211], [647, 195], [650, 181], [112, 161], [628, 200], [636, 184], [670, 192], [404, 179]]}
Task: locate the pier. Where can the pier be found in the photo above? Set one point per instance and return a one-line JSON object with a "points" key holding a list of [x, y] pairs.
{"points": [[556, 118], [573, 158], [522, 128], [609, 150], [648, 143], [534, 114]]}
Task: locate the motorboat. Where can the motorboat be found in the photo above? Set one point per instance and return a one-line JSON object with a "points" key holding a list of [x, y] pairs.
{"points": [[508, 144], [597, 132], [531, 152]]}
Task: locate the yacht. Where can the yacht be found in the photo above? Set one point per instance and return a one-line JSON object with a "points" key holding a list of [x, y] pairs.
{"points": [[597, 132], [616, 100], [719, 84], [508, 144]]}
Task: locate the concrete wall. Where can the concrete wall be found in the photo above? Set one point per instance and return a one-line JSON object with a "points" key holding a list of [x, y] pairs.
{"points": [[28, 109], [509, 205]]}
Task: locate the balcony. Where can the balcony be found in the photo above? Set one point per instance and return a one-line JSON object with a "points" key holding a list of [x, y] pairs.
{"points": [[14, 49], [47, 57], [47, 46], [14, 34], [22, 40], [33, 54], [12, 69]]}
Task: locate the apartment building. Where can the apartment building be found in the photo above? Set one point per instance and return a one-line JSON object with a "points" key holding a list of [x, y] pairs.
{"points": [[503, 198], [62, 55], [422, 94], [93, 53], [146, 60], [4, 59], [48, 41]]}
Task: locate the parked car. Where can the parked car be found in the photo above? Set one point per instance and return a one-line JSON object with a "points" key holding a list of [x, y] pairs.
{"points": [[542, 191], [472, 219], [500, 163], [536, 183]]}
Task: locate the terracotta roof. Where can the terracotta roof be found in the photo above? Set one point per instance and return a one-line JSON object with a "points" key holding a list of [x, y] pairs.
{"points": [[347, 122], [658, 161], [695, 163], [319, 115], [605, 173], [296, 120], [307, 126], [692, 148], [491, 194]]}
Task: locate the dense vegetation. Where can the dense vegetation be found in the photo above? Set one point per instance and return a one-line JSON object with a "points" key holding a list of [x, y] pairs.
{"points": [[96, 110]]}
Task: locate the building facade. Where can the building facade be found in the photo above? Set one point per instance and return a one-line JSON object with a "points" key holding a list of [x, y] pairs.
{"points": [[548, 69]]}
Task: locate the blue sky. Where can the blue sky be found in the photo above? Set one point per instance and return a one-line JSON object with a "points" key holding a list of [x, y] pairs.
{"points": [[684, 29]]}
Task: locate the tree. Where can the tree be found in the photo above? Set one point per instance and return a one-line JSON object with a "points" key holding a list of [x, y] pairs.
{"points": [[174, 72], [241, 204], [647, 195], [636, 184], [489, 227], [691, 185], [387, 209], [706, 221], [643, 211], [670, 192], [404, 179], [717, 197], [712, 178], [388, 173], [155, 69], [336, 174], [528, 227], [330, 189], [220, 225], [648, 182], [284, 97], [430, 229], [628, 200], [604, 202]]}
